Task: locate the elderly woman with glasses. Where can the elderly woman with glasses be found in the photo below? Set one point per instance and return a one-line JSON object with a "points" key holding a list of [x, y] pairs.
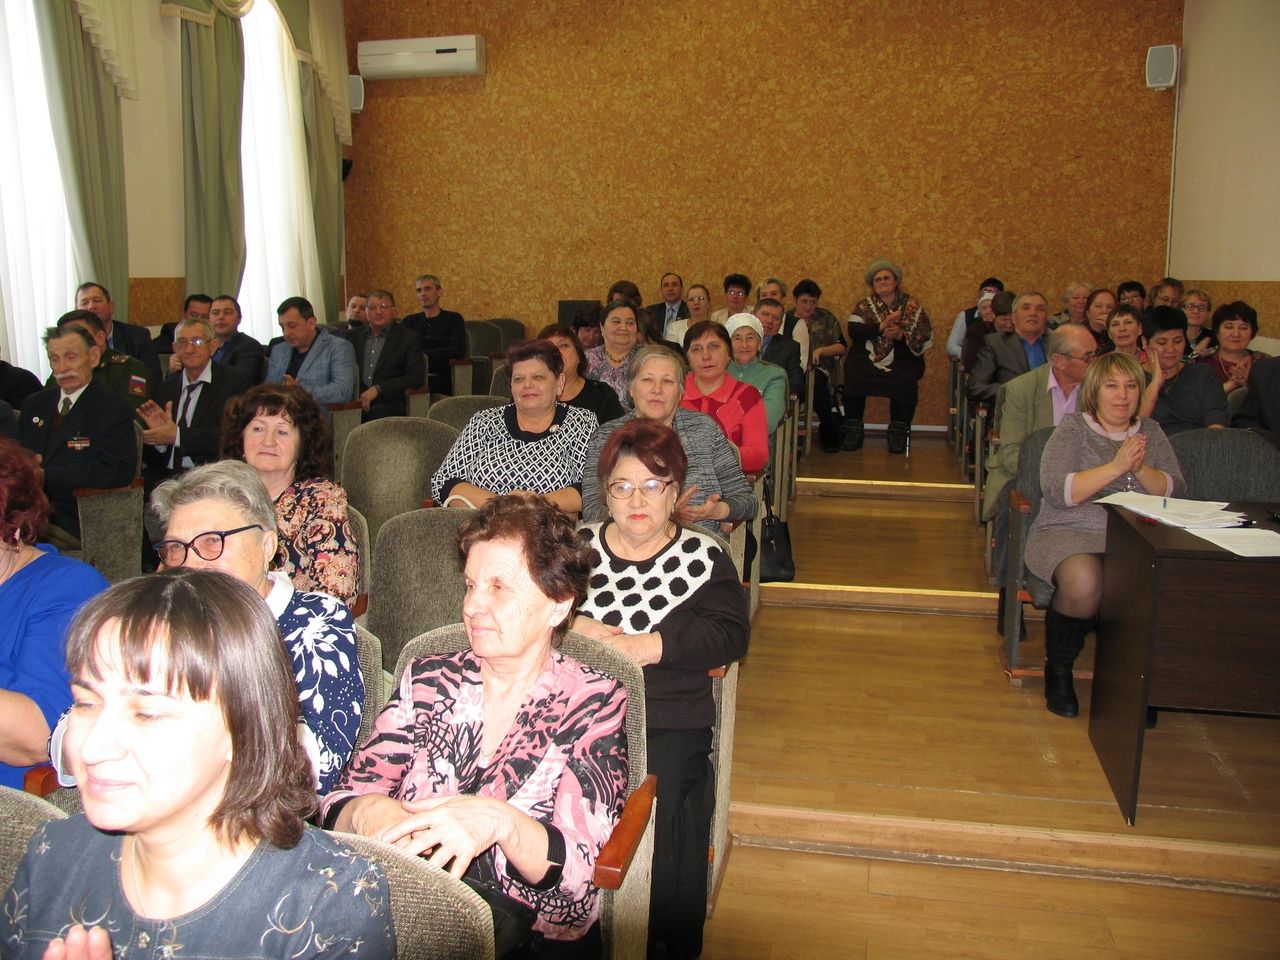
{"points": [[219, 517], [1198, 307], [689, 617], [716, 490]]}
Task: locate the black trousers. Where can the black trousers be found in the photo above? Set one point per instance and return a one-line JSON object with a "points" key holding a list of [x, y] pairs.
{"points": [[899, 409], [681, 759]]}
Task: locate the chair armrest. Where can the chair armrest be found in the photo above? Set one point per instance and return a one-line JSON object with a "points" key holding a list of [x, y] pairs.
{"points": [[429, 504], [717, 673], [353, 405], [81, 492], [615, 857], [359, 605], [1018, 503], [41, 780]]}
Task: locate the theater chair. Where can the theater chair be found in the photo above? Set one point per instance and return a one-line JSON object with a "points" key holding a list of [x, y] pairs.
{"points": [[624, 867], [1021, 585], [20, 813], [369, 652], [456, 411], [360, 533], [510, 328], [111, 530], [387, 466], [1231, 465]]}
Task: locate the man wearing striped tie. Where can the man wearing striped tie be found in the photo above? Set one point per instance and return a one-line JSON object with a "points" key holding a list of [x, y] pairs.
{"points": [[672, 306]]}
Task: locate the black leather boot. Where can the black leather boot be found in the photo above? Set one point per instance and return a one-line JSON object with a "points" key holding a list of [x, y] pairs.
{"points": [[851, 435], [899, 436], [1063, 641]]}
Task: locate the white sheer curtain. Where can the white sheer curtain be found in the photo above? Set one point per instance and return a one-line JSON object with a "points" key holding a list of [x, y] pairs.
{"points": [[280, 232], [37, 263]]}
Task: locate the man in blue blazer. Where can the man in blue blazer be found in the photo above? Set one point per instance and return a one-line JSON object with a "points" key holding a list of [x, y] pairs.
{"points": [[311, 356]]}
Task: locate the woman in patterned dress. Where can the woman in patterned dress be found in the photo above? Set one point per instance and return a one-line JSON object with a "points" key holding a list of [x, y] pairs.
{"points": [[620, 339], [504, 763], [533, 444], [195, 788], [888, 333], [279, 430], [668, 597]]}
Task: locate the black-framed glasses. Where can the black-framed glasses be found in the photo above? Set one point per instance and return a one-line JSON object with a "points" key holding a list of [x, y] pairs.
{"points": [[624, 489], [208, 545]]}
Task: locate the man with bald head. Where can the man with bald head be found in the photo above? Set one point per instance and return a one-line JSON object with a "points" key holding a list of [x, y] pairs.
{"points": [[1004, 356]]}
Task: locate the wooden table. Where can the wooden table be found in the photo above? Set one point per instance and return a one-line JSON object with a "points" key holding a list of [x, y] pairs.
{"points": [[1184, 624]]}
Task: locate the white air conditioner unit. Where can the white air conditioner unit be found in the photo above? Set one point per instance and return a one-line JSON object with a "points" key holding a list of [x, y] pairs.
{"points": [[421, 57]]}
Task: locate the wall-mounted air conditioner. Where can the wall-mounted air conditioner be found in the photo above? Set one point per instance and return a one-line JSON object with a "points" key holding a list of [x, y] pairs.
{"points": [[421, 57]]}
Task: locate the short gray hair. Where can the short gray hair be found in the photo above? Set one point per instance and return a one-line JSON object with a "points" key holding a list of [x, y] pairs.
{"points": [[429, 276], [231, 481], [1072, 287], [1030, 293], [651, 352], [205, 326]]}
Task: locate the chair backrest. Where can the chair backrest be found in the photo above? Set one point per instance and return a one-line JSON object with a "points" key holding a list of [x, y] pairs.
{"points": [[416, 583], [485, 338], [20, 814], [510, 328], [1028, 479], [369, 651], [360, 533], [624, 913], [1228, 465], [111, 529], [456, 411], [436, 917], [500, 382], [1235, 400], [388, 463]]}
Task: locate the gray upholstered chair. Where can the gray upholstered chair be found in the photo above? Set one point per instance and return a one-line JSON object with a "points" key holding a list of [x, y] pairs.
{"points": [[343, 418], [436, 917], [1228, 465], [1021, 585], [456, 411], [510, 328], [111, 530], [369, 650], [20, 814], [360, 533], [485, 338], [500, 382], [388, 464], [416, 582], [624, 879]]}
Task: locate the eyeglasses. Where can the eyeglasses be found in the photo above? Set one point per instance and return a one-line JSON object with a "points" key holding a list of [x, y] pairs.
{"points": [[1129, 298], [208, 545], [183, 342], [624, 489], [697, 299], [1195, 308]]}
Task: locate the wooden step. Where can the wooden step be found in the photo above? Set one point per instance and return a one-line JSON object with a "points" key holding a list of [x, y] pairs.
{"points": [[966, 603], [884, 489], [1126, 857]]}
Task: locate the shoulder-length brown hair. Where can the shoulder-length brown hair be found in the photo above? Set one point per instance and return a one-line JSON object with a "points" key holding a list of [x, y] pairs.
{"points": [[24, 508], [217, 641], [295, 405], [1099, 370]]}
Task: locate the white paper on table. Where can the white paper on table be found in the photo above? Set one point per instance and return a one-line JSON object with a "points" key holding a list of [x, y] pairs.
{"points": [[1244, 542], [1174, 511]]}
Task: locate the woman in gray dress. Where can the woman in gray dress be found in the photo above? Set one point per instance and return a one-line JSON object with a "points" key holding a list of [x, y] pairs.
{"points": [[1105, 448]]}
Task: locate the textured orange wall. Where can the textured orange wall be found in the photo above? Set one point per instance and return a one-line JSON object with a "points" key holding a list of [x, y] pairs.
{"points": [[614, 140], [156, 300]]}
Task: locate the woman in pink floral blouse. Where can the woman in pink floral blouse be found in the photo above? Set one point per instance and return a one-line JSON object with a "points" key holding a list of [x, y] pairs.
{"points": [[279, 430], [505, 763]]}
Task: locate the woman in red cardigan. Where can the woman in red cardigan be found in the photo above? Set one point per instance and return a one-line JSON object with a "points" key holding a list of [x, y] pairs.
{"points": [[709, 389]]}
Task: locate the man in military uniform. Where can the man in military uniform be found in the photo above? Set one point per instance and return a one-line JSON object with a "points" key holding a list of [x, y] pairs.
{"points": [[125, 376]]}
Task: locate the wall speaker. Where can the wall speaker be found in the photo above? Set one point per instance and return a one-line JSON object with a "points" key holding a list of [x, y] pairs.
{"points": [[355, 89], [1162, 67]]}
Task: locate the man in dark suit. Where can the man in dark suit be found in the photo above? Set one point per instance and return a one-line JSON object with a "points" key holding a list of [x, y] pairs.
{"points": [[16, 384], [125, 376], [780, 349], [1007, 355], [184, 418], [672, 306], [389, 357], [121, 337], [80, 430], [1261, 407], [441, 333], [231, 347], [195, 307]]}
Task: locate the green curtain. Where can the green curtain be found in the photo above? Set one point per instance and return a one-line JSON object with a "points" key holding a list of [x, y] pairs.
{"points": [[324, 166], [86, 130], [213, 195]]}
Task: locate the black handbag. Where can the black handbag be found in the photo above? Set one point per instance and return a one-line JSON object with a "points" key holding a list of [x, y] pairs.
{"points": [[776, 564]]}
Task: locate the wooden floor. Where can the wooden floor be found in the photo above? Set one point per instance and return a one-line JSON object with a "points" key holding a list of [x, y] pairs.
{"points": [[896, 735]]}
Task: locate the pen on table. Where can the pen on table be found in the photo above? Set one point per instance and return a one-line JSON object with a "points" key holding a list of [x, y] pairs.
{"points": [[1166, 503]]}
